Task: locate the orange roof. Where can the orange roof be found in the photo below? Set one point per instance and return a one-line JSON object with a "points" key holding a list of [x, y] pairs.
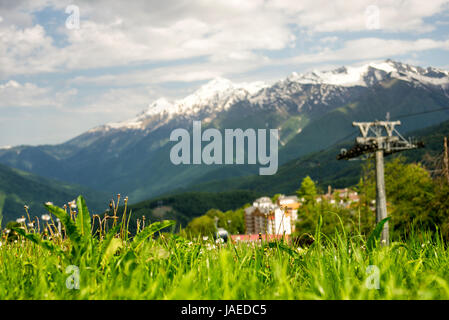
{"points": [[255, 237]]}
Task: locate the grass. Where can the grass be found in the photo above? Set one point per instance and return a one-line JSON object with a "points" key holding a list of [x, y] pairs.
{"points": [[113, 266]]}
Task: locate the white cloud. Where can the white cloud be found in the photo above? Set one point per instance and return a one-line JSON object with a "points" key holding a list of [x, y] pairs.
{"points": [[14, 94], [219, 67], [112, 36], [332, 16], [369, 48], [120, 103], [116, 33]]}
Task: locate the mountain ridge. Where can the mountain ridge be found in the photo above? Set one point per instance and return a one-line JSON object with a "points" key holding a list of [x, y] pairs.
{"points": [[310, 116]]}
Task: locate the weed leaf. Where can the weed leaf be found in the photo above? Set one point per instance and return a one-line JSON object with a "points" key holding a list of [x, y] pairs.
{"points": [[149, 231], [83, 218], [375, 235]]}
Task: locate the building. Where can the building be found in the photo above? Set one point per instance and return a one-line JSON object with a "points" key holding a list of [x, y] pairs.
{"points": [[270, 218], [341, 197]]}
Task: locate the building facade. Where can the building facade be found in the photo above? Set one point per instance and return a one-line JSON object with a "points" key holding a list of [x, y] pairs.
{"points": [[270, 218]]}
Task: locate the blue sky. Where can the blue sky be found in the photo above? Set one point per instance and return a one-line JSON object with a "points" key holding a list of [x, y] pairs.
{"points": [[59, 79]]}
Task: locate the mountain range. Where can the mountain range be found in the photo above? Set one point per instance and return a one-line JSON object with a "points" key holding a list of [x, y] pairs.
{"points": [[313, 112]]}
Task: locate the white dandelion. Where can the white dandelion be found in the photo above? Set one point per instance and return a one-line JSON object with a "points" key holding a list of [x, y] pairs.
{"points": [[72, 204], [45, 217], [20, 220]]}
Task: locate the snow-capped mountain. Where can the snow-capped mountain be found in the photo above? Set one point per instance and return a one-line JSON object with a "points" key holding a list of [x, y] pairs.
{"points": [[219, 94], [312, 110], [371, 73], [215, 96]]}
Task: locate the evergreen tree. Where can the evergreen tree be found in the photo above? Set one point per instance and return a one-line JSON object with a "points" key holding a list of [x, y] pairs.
{"points": [[307, 190]]}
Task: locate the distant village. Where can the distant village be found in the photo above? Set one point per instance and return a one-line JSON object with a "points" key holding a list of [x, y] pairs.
{"points": [[266, 219]]}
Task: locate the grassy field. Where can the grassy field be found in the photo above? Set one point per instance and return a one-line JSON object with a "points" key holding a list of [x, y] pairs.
{"points": [[109, 265]]}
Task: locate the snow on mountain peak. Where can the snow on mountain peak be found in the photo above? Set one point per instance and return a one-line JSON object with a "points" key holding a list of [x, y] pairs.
{"points": [[219, 93], [366, 74]]}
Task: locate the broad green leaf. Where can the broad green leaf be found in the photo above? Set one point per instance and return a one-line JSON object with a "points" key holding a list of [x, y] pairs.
{"points": [[33, 237], [283, 247], [83, 219], [70, 227], [375, 235], [107, 240], [149, 231], [111, 249]]}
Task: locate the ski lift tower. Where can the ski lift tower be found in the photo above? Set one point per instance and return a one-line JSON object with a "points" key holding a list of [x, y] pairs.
{"points": [[382, 139]]}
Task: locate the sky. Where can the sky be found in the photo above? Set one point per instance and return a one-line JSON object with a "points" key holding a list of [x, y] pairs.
{"points": [[68, 66]]}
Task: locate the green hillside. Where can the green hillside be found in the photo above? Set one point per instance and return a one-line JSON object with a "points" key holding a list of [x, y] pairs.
{"points": [[324, 168], [18, 188], [185, 206]]}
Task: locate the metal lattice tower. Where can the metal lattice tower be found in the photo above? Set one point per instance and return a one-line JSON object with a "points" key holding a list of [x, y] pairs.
{"points": [[381, 138]]}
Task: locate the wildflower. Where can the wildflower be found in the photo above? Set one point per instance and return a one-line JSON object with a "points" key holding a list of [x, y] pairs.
{"points": [[189, 243], [1, 243], [26, 207], [45, 217], [7, 231], [72, 204], [20, 220], [205, 238], [30, 224], [219, 240], [48, 203]]}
